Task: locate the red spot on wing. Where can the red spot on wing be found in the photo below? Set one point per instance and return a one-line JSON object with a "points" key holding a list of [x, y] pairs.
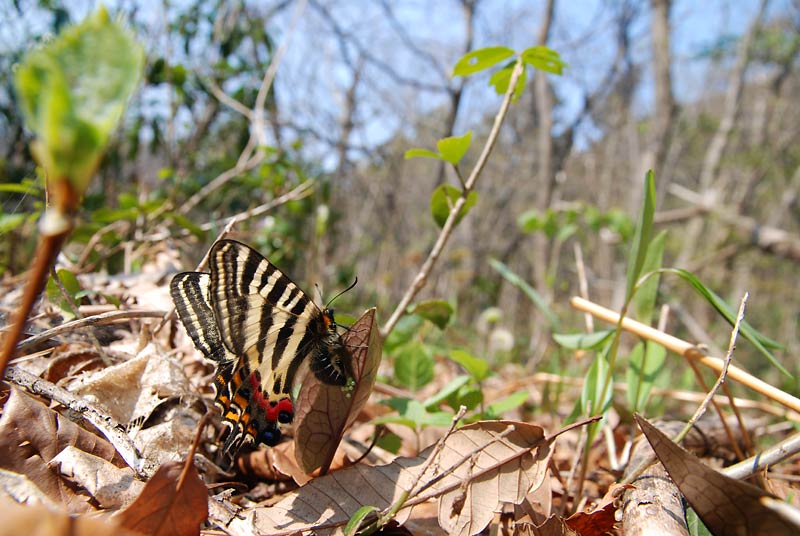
{"points": [[286, 405]]}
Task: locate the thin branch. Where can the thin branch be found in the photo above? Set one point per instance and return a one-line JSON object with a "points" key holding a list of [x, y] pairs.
{"points": [[300, 191], [227, 100], [269, 76], [97, 320], [771, 456], [701, 409], [690, 351], [449, 225]]}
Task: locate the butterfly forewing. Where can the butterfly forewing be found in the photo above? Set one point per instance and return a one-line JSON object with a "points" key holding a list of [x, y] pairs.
{"points": [[255, 304]]}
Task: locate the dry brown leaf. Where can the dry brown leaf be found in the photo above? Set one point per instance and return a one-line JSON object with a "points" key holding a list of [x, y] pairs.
{"points": [[538, 504], [31, 435], [726, 506], [71, 359], [133, 389], [110, 486], [323, 412], [502, 471], [500, 460], [598, 522], [162, 509], [41, 521]]}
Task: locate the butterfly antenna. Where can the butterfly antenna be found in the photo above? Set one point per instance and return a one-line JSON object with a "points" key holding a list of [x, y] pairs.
{"points": [[342, 292]]}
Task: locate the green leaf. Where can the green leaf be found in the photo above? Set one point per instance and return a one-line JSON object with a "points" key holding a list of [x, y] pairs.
{"points": [[404, 331], [24, 188], [413, 414], [511, 402], [413, 365], [448, 390], [761, 342], [566, 231], [593, 386], [54, 294], [644, 231], [110, 215], [390, 442], [422, 153], [644, 365], [443, 200], [437, 312], [475, 367], [481, 59], [9, 222], [468, 396], [544, 59], [73, 91], [357, 518], [583, 341], [454, 148], [644, 301], [530, 221], [502, 78], [186, 223], [528, 290]]}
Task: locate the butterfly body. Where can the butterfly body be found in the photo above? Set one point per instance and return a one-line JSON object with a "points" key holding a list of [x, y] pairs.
{"points": [[263, 332]]}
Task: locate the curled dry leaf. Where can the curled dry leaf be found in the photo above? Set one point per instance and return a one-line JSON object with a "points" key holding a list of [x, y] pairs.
{"points": [[479, 467], [31, 435], [164, 509], [726, 506], [599, 521], [323, 412]]}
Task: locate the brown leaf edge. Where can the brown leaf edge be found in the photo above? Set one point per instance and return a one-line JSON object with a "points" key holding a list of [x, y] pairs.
{"points": [[170, 503], [728, 507], [323, 412]]}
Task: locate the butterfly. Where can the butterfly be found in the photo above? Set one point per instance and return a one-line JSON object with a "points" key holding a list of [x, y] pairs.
{"points": [[264, 333]]}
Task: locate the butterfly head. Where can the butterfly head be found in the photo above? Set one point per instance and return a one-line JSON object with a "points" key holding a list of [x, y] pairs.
{"points": [[328, 318]]}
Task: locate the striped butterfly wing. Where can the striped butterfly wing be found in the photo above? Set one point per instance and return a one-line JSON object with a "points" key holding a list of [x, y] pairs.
{"points": [[265, 318], [191, 294], [260, 328]]}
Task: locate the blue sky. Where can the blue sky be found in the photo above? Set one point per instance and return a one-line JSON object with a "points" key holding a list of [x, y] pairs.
{"points": [[312, 79]]}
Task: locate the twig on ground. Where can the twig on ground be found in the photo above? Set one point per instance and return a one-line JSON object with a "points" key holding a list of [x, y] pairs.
{"points": [[690, 351], [97, 320], [771, 456]]}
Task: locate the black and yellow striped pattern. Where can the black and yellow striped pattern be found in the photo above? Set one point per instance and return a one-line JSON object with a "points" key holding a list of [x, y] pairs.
{"points": [[259, 327]]}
